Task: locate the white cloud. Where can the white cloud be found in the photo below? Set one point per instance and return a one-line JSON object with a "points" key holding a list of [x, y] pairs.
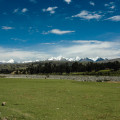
{"points": [[106, 5], [68, 1], [24, 10], [20, 11], [50, 9], [17, 54], [115, 18], [18, 39], [16, 10], [92, 3], [33, 1], [7, 28], [48, 43], [111, 11], [88, 15], [45, 33], [90, 49], [81, 48], [110, 5], [60, 32], [86, 41]]}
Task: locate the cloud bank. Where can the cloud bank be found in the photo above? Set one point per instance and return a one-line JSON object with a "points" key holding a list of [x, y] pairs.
{"points": [[90, 48], [114, 18], [81, 48], [21, 55]]}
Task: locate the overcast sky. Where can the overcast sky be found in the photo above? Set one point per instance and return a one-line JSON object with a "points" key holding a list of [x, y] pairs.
{"points": [[39, 29]]}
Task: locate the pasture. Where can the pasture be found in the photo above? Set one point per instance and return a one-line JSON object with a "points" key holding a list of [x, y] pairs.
{"points": [[43, 99]]}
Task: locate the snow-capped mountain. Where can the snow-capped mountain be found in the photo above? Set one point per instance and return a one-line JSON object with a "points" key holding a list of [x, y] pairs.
{"points": [[9, 61], [86, 60], [27, 61], [59, 58], [77, 58], [12, 61], [73, 59], [99, 59]]}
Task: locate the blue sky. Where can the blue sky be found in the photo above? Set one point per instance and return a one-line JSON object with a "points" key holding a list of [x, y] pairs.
{"points": [[39, 29]]}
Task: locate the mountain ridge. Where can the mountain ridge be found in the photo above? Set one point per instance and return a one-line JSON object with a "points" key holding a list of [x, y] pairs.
{"points": [[60, 58]]}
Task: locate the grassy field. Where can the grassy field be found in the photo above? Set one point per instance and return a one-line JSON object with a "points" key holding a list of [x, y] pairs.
{"points": [[35, 99]]}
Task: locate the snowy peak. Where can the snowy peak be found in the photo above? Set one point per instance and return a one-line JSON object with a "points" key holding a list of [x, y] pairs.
{"points": [[77, 58], [86, 60], [99, 59], [59, 58], [30, 61], [11, 61]]}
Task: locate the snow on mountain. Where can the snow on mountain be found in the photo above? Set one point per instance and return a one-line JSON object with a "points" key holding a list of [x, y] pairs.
{"points": [[94, 59], [27, 61], [2, 61], [73, 59], [59, 58], [99, 59], [86, 60], [77, 58], [70, 59], [11, 61], [37, 60]]}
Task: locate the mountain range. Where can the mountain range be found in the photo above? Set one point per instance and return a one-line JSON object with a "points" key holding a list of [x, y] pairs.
{"points": [[59, 58]]}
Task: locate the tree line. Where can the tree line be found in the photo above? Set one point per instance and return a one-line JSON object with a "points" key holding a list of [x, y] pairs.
{"points": [[66, 67]]}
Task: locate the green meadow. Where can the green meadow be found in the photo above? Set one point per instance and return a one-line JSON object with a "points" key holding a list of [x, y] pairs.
{"points": [[43, 99]]}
